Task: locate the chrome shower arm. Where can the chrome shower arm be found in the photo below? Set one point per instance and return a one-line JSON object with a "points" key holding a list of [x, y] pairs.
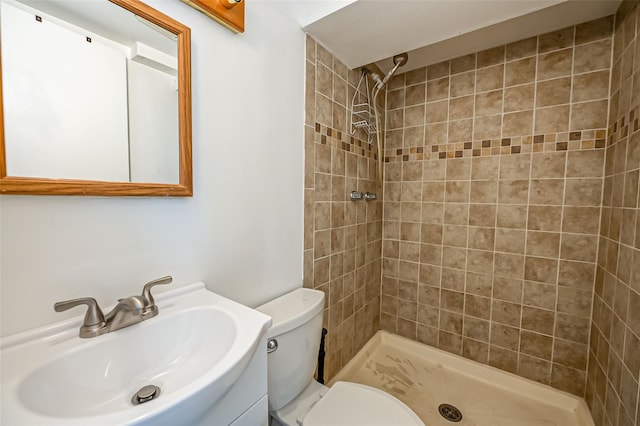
{"points": [[390, 74]]}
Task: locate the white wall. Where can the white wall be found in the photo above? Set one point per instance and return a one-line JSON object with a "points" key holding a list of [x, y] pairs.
{"points": [[241, 233]]}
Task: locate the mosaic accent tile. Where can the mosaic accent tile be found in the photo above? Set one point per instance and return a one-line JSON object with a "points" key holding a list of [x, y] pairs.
{"points": [[334, 138], [626, 125], [573, 141]]}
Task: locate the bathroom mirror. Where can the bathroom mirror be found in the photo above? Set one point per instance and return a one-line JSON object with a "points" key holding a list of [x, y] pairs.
{"points": [[96, 99]]}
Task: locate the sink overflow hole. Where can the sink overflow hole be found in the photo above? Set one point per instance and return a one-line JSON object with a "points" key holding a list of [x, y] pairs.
{"points": [[450, 413], [145, 394]]}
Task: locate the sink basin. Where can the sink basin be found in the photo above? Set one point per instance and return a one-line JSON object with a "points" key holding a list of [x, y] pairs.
{"points": [[193, 351]]}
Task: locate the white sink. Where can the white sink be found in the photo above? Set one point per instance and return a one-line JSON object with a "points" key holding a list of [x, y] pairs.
{"points": [[194, 351]]}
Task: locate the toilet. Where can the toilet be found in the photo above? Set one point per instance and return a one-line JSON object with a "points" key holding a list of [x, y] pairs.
{"points": [[295, 398]]}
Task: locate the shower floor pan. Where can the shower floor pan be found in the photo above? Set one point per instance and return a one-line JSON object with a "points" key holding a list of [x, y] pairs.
{"points": [[426, 378]]}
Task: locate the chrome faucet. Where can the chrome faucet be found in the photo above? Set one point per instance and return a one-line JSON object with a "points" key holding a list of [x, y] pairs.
{"points": [[127, 312], [130, 310]]}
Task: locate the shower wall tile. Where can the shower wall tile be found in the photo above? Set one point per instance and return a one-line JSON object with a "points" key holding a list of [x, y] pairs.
{"points": [[544, 94], [500, 240], [613, 371], [342, 239], [533, 273]]}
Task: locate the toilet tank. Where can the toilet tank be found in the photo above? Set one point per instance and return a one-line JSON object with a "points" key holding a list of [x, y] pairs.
{"points": [[297, 328]]}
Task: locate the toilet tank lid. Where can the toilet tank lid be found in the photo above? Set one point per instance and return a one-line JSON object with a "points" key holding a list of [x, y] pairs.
{"points": [[292, 310]]}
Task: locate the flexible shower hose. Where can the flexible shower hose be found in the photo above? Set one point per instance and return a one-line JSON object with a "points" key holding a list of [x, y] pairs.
{"points": [[379, 140]]}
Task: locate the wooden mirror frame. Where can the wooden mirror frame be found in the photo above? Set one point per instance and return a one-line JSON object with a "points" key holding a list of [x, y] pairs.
{"points": [[45, 186]]}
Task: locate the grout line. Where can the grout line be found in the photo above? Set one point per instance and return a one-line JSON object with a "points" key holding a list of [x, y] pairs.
{"points": [[602, 206], [382, 202], [564, 194], [557, 283], [526, 224], [524, 259], [424, 134], [609, 240], [495, 226], [466, 261]]}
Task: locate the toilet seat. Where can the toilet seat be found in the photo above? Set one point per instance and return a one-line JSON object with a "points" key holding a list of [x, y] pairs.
{"points": [[352, 404]]}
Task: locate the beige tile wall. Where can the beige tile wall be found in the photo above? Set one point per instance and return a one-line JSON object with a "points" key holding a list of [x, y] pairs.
{"points": [[492, 199], [614, 356], [492, 210], [342, 239]]}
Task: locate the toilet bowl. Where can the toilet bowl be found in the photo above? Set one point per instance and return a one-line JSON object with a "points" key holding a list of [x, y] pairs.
{"points": [[295, 398]]}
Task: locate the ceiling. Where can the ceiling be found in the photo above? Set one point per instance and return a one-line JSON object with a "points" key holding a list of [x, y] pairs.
{"points": [[372, 31]]}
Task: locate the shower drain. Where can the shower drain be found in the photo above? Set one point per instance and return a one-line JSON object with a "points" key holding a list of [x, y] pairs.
{"points": [[449, 412]]}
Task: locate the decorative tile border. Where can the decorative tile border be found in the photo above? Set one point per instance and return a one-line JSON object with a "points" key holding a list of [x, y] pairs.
{"points": [[567, 141], [623, 127], [325, 135]]}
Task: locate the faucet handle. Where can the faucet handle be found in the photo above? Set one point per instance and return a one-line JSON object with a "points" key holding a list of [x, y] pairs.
{"points": [[146, 293], [93, 319]]}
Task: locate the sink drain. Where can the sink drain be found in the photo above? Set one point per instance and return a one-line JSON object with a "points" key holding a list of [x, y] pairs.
{"points": [[145, 394], [449, 412]]}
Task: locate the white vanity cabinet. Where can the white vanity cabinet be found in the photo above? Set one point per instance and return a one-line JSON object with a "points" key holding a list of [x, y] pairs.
{"points": [[246, 402]]}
